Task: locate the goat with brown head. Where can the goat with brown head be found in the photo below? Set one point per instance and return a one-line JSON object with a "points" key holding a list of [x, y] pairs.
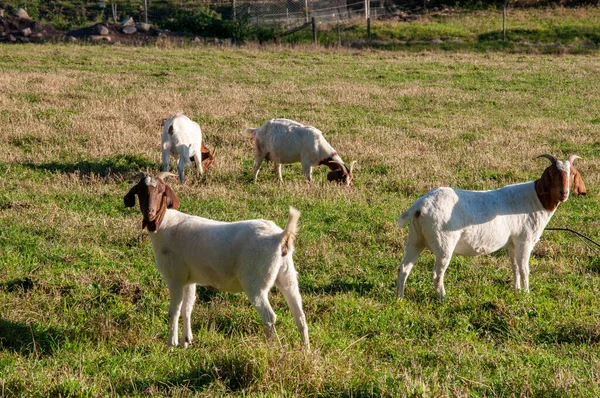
{"points": [[208, 157], [339, 173], [557, 180], [155, 198]]}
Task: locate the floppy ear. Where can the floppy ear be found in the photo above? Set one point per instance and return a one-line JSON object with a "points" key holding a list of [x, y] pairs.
{"points": [[578, 184], [129, 199], [172, 199]]}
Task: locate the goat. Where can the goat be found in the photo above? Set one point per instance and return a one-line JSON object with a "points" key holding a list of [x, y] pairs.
{"points": [[472, 223], [285, 141], [247, 256], [183, 137]]}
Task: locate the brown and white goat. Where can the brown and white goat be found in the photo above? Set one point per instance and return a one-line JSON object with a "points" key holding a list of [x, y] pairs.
{"points": [[471, 223], [182, 137], [249, 256], [285, 141]]}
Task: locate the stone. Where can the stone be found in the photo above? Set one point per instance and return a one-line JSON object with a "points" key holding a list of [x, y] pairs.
{"points": [[127, 22], [142, 27], [72, 39], [100, 38], [26, 32], [1, 13], [101, 29], [21, 13], [129, 30], [12, 38]]}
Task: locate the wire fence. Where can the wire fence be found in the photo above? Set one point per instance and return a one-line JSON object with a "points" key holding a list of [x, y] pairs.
{"points": [[294, 12]]}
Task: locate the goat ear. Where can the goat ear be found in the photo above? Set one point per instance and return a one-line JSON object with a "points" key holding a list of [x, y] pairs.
{"points": [[172, 199], [129, 199], [578, 184]]}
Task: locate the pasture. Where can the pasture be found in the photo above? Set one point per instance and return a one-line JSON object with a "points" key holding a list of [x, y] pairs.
{"points": [[83, 311]]}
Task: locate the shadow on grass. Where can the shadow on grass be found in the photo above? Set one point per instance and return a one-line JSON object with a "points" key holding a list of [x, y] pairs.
{"points": [[563, 34], [17, 285], [571, 333], [118, 166], [29, 338], [236, 371], [339, 286], [205, 294]]}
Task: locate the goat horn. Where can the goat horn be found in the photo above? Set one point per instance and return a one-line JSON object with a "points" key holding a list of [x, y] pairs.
{"points": [[549, 157], [140, 176], [572, 158], [164, 174], [352, 163]]}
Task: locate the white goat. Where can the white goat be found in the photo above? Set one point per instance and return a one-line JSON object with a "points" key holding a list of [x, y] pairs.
{"points": [[247, 256], [285, 141], [182, 136], [472, 223]]}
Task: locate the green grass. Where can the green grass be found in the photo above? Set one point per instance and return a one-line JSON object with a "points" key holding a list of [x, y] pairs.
{"points": [[543, 30], [83, 312]]}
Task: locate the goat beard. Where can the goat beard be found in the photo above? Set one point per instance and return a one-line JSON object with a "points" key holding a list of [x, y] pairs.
{"points": [[150, 225]]}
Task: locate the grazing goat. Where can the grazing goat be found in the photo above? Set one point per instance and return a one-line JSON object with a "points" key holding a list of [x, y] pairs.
{"points": [[182, 136], [247, 256], [285, 141], [472, 223]]}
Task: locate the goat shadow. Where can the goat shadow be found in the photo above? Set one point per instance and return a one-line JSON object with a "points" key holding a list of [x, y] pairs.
{"points": [[121, 165], [30, 338], [339, 286], [237, 373]]}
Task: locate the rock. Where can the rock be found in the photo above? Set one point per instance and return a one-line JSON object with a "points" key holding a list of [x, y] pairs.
{"points": [[26, 32], [142, 27], [12, 38], [129, 30], [72, 39], [1, 13], [21, 13], [101, 29], [99, 38], [437, 41], [127, 22], [24, 39]]}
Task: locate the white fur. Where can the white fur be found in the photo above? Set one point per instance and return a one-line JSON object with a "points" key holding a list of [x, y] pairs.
{"points": [[473, 223], [285, 141], [185, 142], [234, 257]]}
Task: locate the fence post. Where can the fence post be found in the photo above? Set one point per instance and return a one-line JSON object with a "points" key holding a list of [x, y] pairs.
{"points": [[504, 20], [233, 9], [146, 11], [369, 29], [314, 30], [366, 9]]}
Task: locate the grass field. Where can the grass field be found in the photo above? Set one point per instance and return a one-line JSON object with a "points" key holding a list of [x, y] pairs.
{"points": [[83, 312]]}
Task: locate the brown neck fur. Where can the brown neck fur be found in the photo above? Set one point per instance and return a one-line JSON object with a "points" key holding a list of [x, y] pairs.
{"points": [[545, 197]]}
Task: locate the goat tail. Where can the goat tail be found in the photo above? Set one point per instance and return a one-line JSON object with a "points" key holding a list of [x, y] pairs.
{"points": [[288, 236], [408, 215]]}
